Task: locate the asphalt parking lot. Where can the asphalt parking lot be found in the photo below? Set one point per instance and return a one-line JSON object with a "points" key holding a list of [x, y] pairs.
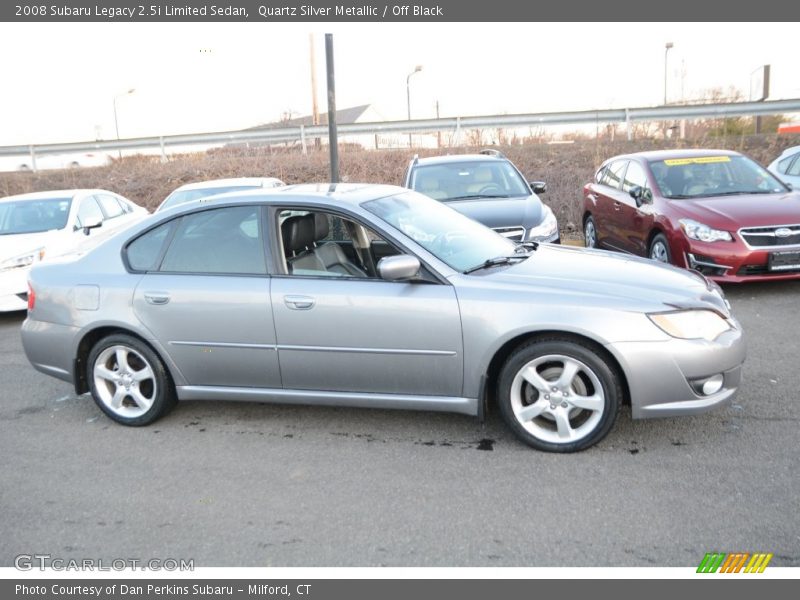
{"points": [[233, 484]]}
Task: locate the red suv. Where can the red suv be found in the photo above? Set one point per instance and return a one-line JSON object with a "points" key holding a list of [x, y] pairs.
{"points": [[715, 211]]}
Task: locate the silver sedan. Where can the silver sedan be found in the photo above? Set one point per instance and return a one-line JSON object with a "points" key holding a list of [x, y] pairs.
{"points": [[377, 296]]}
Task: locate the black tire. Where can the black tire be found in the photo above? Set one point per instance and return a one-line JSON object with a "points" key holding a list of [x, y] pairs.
{"points": [[659, 249], [595, 373], [141, 389], [590, 233]]}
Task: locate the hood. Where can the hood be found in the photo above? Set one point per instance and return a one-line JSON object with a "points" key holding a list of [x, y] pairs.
{"points": [[19, 243], [56, 242], [622, 280], [501, 212], [751, 210]]}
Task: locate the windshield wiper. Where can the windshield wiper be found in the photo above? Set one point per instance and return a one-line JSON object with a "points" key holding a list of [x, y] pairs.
{"points": [[493, 262], [743, 192], [476, 197]]}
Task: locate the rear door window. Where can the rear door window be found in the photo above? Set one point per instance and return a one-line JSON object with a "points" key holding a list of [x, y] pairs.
{"points": [[612, 174], [794, 168], [226, 240]]}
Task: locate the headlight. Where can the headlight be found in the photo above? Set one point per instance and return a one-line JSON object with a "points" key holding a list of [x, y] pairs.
{"points": [[23, 260], [703, 233], [691, 324], [547, 229]]}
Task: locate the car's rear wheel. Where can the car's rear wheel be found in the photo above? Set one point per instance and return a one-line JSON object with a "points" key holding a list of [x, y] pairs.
{"points": [[128, 380], [559, 395], [659, 249], [590, 232]]}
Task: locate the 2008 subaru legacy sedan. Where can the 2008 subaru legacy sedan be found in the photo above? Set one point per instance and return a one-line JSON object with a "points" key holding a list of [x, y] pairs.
{"points": [[377, 296]]}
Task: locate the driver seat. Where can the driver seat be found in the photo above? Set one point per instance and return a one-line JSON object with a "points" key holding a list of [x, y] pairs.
{"points": [[330, 254]]}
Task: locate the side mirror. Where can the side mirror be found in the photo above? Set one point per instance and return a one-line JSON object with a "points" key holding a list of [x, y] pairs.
{"points": [[538, 187], [637, 193], [91, 224], [790, 186], [397, 268]]}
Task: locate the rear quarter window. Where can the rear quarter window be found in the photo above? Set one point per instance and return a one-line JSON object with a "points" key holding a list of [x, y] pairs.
{"points": [[144, 253]]}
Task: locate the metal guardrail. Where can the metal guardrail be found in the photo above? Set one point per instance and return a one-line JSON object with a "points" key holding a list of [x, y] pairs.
{"points": [[454, 124]]}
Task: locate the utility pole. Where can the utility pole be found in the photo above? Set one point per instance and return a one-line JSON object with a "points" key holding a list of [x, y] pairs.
{"points": [[333, 139], [438, 133], [764, 95], [314, 106]]}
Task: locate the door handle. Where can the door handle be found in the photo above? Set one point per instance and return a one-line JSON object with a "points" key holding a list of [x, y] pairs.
{"points": [[616, 205], [157, 298], [299, 302]]}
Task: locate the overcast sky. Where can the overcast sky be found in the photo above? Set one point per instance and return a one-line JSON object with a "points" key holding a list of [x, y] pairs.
{"points": [[60, 80]]}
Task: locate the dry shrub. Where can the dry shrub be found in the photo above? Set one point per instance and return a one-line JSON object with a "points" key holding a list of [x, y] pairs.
{"points": [[565, 168]]}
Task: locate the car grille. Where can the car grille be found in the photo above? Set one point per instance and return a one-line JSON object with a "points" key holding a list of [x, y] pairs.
{"points": [[513, 233], [760, 237]]}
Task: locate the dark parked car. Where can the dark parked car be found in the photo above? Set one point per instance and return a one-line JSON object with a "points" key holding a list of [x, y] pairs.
{"points": [[487, 187], [715, 211]]}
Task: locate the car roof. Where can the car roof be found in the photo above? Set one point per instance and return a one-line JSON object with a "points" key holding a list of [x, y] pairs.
{"points": [[333, 194], [53, 194], [457, 158], [789, 151], [652, 155], [229, 182]]}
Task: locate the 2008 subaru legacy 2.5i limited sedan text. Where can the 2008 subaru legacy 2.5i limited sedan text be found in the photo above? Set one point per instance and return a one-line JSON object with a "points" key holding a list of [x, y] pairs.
{"points": [[377, 296]]}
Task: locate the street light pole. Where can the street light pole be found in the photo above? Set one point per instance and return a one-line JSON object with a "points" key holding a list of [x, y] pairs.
{"points": [[417, 69], [116, 122], [667, 48]]}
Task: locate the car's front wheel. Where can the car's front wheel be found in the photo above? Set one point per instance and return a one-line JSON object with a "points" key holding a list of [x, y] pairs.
{"points": [[659, 249], [128, 380], [590, 232], [559, 395]]}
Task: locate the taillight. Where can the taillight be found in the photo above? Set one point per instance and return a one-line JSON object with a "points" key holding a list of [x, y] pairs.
{"points": [[31, 297]]}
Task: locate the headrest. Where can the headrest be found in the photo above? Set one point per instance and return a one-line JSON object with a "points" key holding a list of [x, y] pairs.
{"points": [[297, 233], [321, 226]]}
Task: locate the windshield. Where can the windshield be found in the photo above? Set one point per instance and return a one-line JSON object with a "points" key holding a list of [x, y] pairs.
{"points": [[33, 216], [184, 196], [704, 176], [453, 238], [469, 179]]}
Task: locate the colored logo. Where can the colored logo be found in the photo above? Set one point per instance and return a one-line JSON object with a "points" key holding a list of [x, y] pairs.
{"points": [[738, 562]]}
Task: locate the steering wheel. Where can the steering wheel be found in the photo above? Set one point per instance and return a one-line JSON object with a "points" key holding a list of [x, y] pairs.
{"points": [[490, 187]]}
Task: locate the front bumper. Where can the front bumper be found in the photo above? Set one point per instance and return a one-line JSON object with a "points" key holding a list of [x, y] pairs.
{"points": [[660, 374], [731, 262], [14, 290]]}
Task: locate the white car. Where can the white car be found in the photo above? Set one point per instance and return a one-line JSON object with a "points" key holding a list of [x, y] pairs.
{"points": [[58, 161], [41, 225], [787, 167], [202, 189]]}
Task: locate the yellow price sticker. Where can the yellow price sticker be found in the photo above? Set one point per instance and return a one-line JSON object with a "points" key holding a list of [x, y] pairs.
{"points": [[698, 160]]}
